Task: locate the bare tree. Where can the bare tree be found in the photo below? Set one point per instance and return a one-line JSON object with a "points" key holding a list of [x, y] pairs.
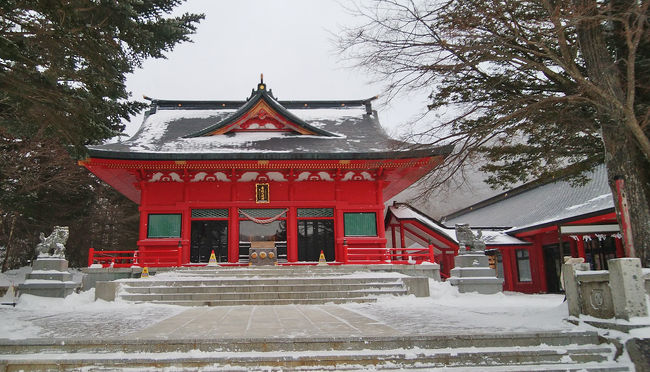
{"points": [[541, 88]]}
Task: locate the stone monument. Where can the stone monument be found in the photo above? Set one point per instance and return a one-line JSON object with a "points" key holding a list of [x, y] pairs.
{"points": [[472, 272], [50, 276]]}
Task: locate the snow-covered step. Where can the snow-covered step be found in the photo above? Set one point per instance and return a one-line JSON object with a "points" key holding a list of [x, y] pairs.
{"points": [[443, 341], [583, 357], [189, 294], [278, 301], [266, 287], [279, 289], [193, 281]]}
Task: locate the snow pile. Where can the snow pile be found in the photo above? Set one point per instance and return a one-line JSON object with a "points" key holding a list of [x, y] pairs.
{"points": [[448, 311], [312, 116], [78, 315]]}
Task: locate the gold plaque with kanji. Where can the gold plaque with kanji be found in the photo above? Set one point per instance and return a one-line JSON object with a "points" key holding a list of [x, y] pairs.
{"points": [[262, 192]]}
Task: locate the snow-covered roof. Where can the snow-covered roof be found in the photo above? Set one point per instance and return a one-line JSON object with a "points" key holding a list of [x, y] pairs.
{"points": [[175, 130], [492, 237], [548, 203]]}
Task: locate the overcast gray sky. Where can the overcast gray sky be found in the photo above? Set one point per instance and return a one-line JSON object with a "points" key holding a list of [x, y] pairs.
{"points": [[290, 41]]}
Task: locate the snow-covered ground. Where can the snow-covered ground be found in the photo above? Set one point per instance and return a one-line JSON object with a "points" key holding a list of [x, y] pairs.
{"points": [[445, 312]]}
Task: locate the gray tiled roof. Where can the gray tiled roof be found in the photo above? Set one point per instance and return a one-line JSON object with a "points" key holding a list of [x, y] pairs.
{"points": [[347, 130], [545, 204]]}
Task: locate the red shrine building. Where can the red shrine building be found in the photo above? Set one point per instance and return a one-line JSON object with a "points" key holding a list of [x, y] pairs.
{"points": [[216, 176], [527, 230]]}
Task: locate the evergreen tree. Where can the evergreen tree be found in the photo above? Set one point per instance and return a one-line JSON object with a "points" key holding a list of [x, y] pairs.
{"points": [[539, 88], [63, 66]]}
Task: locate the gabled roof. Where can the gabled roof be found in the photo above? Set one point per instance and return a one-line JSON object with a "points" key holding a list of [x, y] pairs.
{"points": [[260, 104], [525, 208], [491, 237], [309, 130]]}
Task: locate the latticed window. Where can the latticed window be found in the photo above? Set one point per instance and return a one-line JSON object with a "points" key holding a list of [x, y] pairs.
{"points": [[209, 213], [315, 212], [360, 224], [164, 226], [262, 213]]}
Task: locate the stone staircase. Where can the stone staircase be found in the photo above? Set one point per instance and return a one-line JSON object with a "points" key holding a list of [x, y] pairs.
{"points": [[535, 351], [264, 286]]}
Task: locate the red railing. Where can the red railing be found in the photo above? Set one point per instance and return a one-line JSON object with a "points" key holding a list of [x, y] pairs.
{"points": [[150, 258], [387, 255]]}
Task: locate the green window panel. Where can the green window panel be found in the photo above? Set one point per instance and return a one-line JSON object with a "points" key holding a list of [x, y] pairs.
{"points": [[209, 213], [360, 224], [315, 212], [164, 226]]}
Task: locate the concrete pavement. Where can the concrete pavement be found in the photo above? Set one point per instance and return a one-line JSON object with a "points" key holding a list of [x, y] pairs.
{"points": [[269, 321]]}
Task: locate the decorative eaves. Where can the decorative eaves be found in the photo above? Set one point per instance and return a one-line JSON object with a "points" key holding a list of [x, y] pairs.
{"points": [[262, 112]]}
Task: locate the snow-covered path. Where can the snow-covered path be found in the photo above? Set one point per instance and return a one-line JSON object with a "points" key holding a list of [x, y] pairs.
{"points": [[445, 312]]}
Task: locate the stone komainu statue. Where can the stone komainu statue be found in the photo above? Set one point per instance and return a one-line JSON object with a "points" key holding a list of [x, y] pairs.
{"points": [[466, 238], [53, 245]]}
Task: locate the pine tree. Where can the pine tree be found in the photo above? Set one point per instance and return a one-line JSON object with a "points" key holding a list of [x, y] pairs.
{"points": [[63, 66]]}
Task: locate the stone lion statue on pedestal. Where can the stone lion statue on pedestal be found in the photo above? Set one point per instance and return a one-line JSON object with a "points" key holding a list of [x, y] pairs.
{"points": [[466, 238], [53, 245]]}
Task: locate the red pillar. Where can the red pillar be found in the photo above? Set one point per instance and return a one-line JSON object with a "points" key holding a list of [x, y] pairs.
{"points": [[381, 226], [339, 231], [144, 216], [233, 234], [538, 266], [292, 235], [186, 225]]}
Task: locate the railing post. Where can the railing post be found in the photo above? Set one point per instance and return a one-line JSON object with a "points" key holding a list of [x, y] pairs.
{"points": [[91, 256], [432, 257], [345, 251]]}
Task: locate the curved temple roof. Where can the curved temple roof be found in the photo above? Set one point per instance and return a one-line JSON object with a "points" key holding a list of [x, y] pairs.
{"points": [[261, 127], [266, 104]]}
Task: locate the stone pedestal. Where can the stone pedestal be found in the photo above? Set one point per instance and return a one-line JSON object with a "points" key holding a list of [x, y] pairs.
{"points": [[618, 293], [472, 273], [49, 278], [572, 287], [628, 288]]}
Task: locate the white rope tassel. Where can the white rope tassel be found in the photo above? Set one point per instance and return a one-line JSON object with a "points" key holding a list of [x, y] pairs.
{"points": [[266, 220]]}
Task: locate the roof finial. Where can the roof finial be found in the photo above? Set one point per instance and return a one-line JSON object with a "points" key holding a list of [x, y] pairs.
{"points": [[261, 85]]}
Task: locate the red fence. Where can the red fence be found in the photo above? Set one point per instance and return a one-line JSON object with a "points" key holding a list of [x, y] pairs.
{"points": [[149, 258], [172, 256], [357, 255]]}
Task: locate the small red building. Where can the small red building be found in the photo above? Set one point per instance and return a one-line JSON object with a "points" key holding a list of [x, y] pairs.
{"points": [[527, 230], [218, 175]]}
